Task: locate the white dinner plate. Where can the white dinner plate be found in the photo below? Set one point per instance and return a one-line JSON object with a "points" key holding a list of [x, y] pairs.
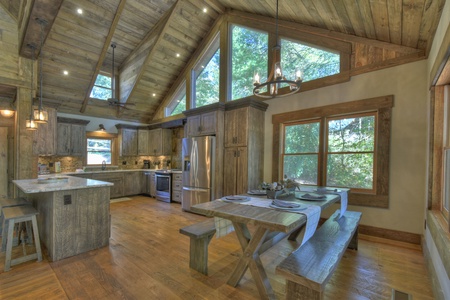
{"points": [[288, 208], [311, 197]]}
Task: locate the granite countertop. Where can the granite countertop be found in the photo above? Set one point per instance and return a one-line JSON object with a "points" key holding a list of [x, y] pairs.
{"points": [[119, 170], [51, 183]]}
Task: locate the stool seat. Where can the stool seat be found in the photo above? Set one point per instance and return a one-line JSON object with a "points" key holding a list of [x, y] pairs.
{"points": [[18, 214], [9, 202]]}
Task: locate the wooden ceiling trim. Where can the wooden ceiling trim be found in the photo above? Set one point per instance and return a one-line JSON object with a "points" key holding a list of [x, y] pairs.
{"points": [[43, 9], [429, 24], [202, 47], [258, 21], [151, 53], [106, 46], [411, 22]]}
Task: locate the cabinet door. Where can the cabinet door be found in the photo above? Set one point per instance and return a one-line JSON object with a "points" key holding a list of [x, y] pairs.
{"points": [[129, 142], [229, 171], [115, 178], [193, 125], [236, 127], [166, 142], [143, 142], [154, 141], [63, 139], [44, 140], [77, 139], [132, 183], [208, 123], [241, 171], [153, 184]]}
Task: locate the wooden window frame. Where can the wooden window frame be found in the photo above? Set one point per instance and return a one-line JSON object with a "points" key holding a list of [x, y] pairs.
{"points": [[383, 107]]}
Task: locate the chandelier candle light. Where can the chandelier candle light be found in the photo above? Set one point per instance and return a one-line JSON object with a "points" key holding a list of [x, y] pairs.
{"points": [[276, 77], [40, 115]]}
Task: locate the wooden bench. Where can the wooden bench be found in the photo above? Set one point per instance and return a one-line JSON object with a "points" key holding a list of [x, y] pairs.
{"points": [[308, 269], [200, 235]]}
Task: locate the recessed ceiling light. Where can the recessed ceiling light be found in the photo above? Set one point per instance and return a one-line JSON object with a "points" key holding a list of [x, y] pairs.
{"points": [[153, 94], [66, 72], [205, 10], [80, 11], [178, 54]]}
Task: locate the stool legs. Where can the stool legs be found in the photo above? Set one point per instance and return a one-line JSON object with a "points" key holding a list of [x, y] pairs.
{"points": [[9, 244], [37, 242]]}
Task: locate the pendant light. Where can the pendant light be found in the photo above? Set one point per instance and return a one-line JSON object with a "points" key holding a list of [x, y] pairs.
{"points": [[30, 123], [41, 115], [276, 77]]}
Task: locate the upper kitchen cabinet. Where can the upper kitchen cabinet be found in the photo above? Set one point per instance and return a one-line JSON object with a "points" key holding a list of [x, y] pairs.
{"points": [[44, 139], [143, 143], [128, 140], [205, 120], [160, 142], [71, 137]]}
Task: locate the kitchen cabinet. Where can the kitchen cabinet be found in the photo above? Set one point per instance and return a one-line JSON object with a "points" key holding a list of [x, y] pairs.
{"points": [[143, 143], [132, 183], [244, 146], [153, 184], [114, 177], [44, 138], [177, 187], [128, 140], [160, 142], [71, 137], [236, 127], [203, 124], [236, 171]]}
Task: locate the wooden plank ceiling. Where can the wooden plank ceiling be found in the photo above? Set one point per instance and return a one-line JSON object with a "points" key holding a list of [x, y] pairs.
{"points": [[156, 39]]}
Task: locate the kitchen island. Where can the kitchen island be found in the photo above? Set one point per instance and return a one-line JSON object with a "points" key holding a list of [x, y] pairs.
{"points": [[73, 213]]}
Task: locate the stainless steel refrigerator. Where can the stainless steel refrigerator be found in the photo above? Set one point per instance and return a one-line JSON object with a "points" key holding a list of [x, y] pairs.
{"points": [[198, 170]]}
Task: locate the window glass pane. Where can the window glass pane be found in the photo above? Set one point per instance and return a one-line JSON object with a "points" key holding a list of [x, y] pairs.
{"points": [[104, 81], [207, 82], [351, 134], [302, 138], [249, 53], [180, 106], [101, 93], [302, 168], [98, 150], [313, 62], [350, 170]]}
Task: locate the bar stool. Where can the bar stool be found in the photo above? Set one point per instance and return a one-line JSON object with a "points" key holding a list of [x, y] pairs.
{"points": [[8, 202], [17, 214]]}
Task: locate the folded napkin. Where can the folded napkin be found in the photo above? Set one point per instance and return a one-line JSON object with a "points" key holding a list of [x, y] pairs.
{"points": [[285, 204], [313, 196]]}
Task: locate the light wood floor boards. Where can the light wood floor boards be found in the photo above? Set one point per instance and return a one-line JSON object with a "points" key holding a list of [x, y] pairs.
{"points": [[148, 259]]}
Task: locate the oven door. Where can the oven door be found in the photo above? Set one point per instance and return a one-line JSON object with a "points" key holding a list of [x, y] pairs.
{"points": [[163, 187]]}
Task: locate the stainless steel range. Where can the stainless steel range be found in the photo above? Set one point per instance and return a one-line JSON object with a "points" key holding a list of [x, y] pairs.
{"points": [[163, 185]]}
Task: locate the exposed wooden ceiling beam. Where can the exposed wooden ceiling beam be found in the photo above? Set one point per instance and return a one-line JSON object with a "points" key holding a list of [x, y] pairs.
{"points": [[44, 10], [105, 49], [151, 53]]}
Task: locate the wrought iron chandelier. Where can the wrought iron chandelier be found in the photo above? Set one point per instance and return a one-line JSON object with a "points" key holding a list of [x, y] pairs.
{"points": [[276, 77]]}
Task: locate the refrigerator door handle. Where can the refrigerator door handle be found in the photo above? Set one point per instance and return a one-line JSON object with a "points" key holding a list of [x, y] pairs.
{"points": [[194, 189]]}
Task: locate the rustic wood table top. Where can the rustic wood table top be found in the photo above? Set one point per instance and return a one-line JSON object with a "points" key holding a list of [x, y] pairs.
{"points": [[266, 221]]}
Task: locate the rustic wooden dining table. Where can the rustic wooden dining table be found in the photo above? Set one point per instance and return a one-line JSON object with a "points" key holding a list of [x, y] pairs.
{"points": [[270, 227]]}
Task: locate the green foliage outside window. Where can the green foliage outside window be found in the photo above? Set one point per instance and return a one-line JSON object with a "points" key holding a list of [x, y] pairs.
{"points": [[102, 88], [207, 82], [249, 53], [313, 62], [350, 144], [180, 107]]}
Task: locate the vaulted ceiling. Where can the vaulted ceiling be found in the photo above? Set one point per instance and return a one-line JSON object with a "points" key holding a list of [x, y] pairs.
{"points": [[156, 40]]}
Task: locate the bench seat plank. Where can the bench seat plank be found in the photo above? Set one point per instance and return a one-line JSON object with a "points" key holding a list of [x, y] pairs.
{"points": [[308, 269]]}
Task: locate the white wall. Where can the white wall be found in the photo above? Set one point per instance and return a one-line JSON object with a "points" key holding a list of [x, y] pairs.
{"points": [[110, 125], [408, 137]]}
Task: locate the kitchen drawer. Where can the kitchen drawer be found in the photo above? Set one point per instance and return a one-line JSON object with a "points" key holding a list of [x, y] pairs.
{"points": [[176, 197], [177, 177], [177, 186]]}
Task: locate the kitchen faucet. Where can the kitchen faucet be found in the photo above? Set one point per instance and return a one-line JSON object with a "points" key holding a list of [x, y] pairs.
{"points": [[103, 165]]}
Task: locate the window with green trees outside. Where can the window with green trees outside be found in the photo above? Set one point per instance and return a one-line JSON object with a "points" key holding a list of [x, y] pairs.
{"points": [[207, 80], [99, 150], [102, 88], [348, 156]]}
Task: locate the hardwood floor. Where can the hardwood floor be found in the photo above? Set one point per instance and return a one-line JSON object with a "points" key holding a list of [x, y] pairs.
{"points": [[148, 259]]}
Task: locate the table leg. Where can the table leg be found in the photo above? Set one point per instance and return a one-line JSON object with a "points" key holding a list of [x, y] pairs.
{"points": [[250, 259]]}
